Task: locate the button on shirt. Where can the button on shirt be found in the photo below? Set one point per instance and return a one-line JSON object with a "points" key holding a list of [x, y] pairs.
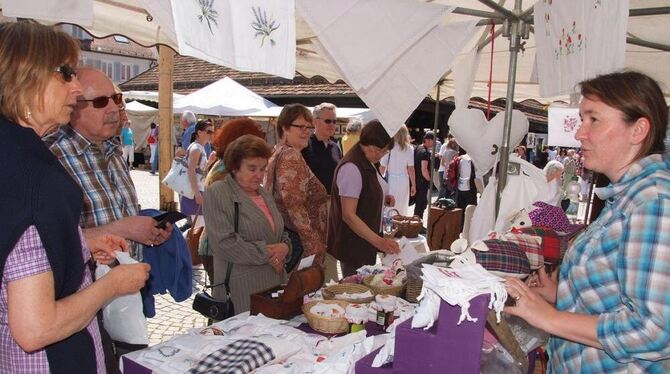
{"points": [[322, 159], [619, 270]]}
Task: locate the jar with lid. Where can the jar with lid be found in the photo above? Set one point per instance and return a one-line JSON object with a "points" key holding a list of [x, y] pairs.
{"points": [[356, 315], [386, 305]]}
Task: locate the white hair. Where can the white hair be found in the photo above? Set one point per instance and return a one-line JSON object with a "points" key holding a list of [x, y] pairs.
{"points": [[552, 167], [321, 107], [189, 117]]}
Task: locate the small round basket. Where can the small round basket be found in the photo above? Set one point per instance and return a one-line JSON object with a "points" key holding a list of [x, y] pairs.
{"points": [[331, 292], [385, 290], [409, 227], [326, 325]]}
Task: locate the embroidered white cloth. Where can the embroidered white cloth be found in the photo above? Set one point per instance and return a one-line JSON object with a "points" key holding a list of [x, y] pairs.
{"points": [[577, 40], [242, 34], [563, 124], [457, 286]]}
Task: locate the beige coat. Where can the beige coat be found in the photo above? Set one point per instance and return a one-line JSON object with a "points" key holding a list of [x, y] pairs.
{"points": [[251, 270]]}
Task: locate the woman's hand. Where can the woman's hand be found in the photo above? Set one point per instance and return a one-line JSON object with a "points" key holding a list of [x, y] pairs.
{"points": [[412, 190], [529, 305], [276, 255], [387, 245], [103, 246], [198, 198], [543, 284], [129, 278]]}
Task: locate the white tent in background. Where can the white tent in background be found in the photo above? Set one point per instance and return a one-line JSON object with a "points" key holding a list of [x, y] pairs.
{"points": [[147, 95], [222, 98], [140, 117]]}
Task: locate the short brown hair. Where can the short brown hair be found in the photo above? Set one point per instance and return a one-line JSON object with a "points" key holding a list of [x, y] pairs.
{"points": [[246, 146], [373, 133], [29, 53], [232, 130], [290, 113], [637, 96]]}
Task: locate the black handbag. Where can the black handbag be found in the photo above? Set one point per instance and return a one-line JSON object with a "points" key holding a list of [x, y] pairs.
{"points": [[296, 250], [207, 305]]}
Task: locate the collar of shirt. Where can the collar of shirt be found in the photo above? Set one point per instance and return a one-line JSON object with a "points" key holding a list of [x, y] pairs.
{"points": [[638, 170], [81, 144]]}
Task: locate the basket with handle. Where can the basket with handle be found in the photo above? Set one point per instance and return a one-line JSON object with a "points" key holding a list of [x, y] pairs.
{"points": [[407, 226], [326, 325], [385, 290], [334, 292]]}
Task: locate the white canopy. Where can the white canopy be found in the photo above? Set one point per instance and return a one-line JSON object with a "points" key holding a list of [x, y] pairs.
{"points": [[222, 98], [147, 96], [363, 114]]}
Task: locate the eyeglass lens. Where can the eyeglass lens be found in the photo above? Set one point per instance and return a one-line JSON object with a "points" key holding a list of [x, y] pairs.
{"points": [[67, 72], [102, 101]]}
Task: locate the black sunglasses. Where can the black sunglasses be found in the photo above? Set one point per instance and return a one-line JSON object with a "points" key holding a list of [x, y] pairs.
{"points": [[102, 101], [329, 121], [302, 127], [66, 71]]}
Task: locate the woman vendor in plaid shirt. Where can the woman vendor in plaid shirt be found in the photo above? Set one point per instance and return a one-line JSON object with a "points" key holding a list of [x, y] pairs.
{"points": [[610, 311]]}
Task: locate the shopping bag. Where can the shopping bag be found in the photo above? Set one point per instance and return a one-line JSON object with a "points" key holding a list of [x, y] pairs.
{"points": [[123, 317], [177, 178]]}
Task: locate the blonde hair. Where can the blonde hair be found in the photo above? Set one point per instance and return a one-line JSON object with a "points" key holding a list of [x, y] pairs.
{"points": [[402, 138], [29, 55]]}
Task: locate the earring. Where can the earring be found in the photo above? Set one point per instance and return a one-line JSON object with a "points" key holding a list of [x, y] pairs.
{"points": [[28, 114]]}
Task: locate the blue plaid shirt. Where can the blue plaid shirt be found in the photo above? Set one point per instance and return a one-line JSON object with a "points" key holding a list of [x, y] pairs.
{"points": [[619, 270], [109, 192]]}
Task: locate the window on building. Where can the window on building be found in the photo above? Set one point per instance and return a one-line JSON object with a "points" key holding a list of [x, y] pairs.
{"points": [[121, 39]]}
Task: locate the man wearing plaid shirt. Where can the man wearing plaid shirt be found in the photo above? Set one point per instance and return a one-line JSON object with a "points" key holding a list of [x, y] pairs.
{"points": [[90, 151]]}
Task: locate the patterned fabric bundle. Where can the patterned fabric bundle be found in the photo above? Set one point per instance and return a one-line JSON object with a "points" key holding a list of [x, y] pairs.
{"points": [[553, 244], [503, 257], [239, 357], [553, 217], [531, 245]]}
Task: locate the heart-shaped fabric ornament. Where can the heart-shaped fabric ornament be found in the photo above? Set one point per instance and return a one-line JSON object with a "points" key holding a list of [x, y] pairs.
{"points": [[482, 138]]}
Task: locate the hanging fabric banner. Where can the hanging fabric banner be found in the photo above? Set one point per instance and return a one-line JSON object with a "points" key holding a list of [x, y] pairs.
{"points": [[563, 124], [578, 40]]}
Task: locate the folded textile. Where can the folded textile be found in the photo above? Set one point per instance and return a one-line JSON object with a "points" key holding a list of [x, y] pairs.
{"points": [[239, 357]]}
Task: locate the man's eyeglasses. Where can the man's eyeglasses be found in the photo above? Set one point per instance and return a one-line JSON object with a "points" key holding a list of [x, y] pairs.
{"points": [[329, 121], [303, 127], [210, 132], [102, 101], [66, 71]]}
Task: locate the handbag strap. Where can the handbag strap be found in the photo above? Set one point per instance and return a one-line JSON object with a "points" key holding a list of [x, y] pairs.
{"points": [[195, 221], [229, 269]]}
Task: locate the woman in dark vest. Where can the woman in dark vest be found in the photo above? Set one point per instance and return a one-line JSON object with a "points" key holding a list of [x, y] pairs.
{"points": [[48, 300], [357, 200]]}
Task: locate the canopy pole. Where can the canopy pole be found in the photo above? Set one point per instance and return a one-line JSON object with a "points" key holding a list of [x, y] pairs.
{"points": [[165, 134], [432, 158], [514, 46]]}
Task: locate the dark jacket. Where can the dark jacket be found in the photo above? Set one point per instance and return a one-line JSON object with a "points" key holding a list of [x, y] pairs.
{"points": [[343, 243], [36, 190]]}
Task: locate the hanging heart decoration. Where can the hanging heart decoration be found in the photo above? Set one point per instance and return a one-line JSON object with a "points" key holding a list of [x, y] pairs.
{"points": [[482, 138]]}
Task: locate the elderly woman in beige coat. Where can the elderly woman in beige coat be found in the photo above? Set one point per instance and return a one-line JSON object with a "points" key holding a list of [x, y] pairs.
{"points": [[258, 249]]}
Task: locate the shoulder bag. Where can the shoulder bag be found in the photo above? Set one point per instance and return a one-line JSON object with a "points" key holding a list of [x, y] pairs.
{"points": [[207, 305]]}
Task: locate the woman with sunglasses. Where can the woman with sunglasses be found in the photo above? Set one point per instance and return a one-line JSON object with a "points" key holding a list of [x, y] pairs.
{"points": [[300, 196], [48, 300], [197, 167]]}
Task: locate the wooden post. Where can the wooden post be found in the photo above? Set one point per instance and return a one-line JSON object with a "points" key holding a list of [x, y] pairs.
{"points": [[165, 135]]}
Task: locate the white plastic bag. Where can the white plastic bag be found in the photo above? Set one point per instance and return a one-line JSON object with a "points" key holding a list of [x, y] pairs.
{"points": [[123, 317]]}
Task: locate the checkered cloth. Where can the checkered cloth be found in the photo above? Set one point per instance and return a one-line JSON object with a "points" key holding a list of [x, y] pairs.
{"points": [[553, 244], [239, 357], [531, 245], [503, 257]]}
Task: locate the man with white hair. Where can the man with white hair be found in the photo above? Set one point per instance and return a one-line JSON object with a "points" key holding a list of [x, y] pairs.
{"points": [[322, 153], [188, 121]]}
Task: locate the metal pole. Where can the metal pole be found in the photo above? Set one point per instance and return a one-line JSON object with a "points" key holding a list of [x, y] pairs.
{"points": [[514, 45], [432, 158]]}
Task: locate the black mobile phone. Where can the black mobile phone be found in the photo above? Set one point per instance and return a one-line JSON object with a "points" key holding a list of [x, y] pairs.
{"points": [[169, 217]]}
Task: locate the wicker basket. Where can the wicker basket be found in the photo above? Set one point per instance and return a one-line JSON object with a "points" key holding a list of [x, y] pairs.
{"points": [[414, 286], [414, 281], [407, 226], [385, 290], [326, 325], [329, 293]]}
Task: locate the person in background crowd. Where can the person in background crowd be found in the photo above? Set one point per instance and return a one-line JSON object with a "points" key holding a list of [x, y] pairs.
{"points": [[569, 171], [188, 122], [422, 173], [521, 152], [322, 153], [541, 157], [48, 300], [451, 150], [127, 144], [152, 140], [258, 247], [352, 136], [552, 154], [398, 167], [610, 310], [553, 172], [359, 196], [300, 196], [197, 167], [223, 136]]}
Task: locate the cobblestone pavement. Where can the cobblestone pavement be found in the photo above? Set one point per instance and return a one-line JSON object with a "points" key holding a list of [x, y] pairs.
{"points": [[171, 317]]}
